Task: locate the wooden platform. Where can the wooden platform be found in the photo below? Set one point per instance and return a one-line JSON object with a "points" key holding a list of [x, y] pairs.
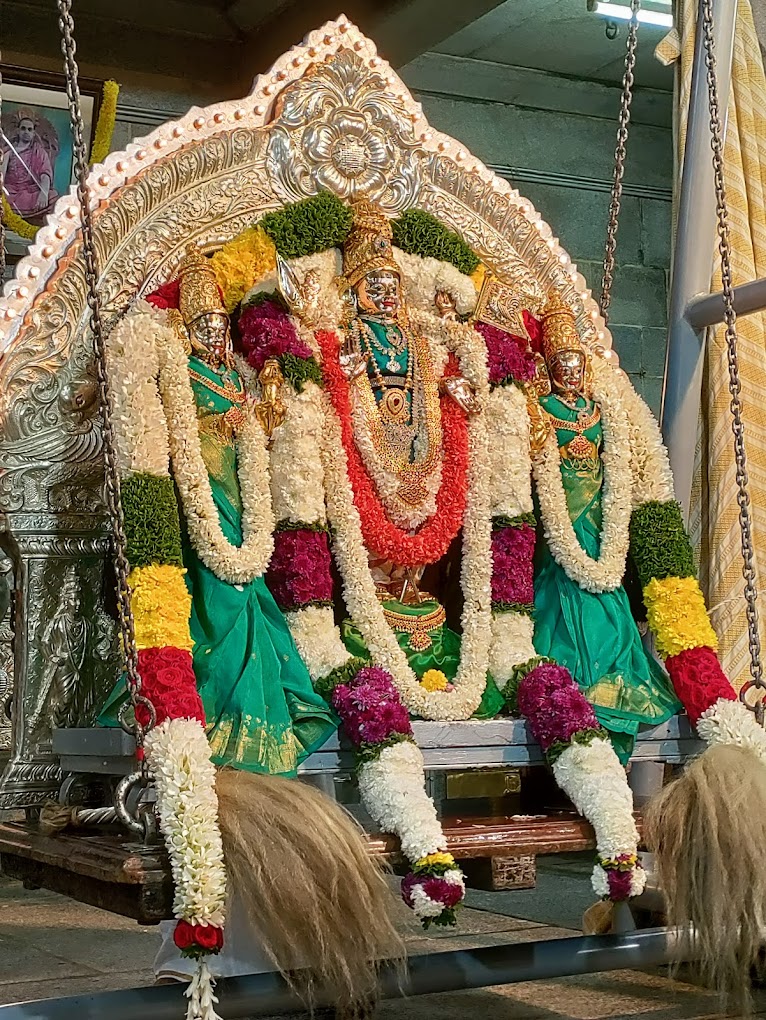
{"points": [[105, 870]]}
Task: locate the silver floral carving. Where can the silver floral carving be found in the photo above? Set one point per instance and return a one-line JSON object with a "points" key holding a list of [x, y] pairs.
{"points": [[340, 128]]}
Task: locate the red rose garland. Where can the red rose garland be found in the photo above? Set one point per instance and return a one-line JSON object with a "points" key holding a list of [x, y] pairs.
{"points": [[382, 537]]}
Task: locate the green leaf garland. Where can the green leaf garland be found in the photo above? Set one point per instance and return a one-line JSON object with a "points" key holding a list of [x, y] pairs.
{"points": [[420, 233], [659, 543], [152, 523], [310, 226]]}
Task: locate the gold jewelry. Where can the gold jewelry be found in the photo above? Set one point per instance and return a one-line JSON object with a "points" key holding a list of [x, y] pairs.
{"points": [[559, 328], [369, 243], [388, 444], [500, 305], [228, 390], [578, 448], [419, 628], [198, 292]]}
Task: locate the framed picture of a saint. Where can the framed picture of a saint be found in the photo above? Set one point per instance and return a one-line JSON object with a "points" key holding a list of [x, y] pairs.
{"points": [[36, 139]]}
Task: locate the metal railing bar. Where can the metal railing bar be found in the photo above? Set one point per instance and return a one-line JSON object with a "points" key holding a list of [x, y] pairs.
{"points": [[707, 309], [261, 995]]}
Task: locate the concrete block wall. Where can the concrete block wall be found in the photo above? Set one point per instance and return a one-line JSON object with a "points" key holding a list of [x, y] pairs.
{"points": [[559, 154]]}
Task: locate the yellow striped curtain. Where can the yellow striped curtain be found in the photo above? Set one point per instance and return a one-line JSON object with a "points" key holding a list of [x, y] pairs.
{"points": [[714, 517]]}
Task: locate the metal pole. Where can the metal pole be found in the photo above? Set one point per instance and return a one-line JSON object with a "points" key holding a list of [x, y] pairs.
{"points": [[709, 310], [693, 260], [268, 995]]}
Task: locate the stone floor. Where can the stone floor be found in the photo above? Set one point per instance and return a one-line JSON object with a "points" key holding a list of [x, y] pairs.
{"points": [[52, 947]]}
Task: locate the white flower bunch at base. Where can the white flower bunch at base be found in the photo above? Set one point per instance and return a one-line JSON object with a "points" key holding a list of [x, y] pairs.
{"points": [[202, 998], [392, 787], [730, 722]]}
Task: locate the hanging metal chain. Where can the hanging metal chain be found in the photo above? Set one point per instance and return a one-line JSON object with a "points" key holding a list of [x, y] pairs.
{"points": [[114, 501], [735, 385], [2, 195], [626, 99]]}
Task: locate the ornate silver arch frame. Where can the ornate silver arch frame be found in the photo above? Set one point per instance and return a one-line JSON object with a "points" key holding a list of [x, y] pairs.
{"points": [[330, 114]]}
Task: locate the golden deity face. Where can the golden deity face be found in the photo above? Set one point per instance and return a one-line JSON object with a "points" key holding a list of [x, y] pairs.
{"points": [[567, 372], [379, 293], [211, 332]]}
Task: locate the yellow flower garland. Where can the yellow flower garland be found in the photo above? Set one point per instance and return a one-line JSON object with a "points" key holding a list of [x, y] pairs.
{"points": [[102, 143], [677, 615], [107, 115], [161, 607], [242, 262], [17, 223]]}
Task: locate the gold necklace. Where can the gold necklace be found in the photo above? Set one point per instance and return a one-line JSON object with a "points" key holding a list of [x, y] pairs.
{"points": [[411, 488], [228, 390], [584, 420]]}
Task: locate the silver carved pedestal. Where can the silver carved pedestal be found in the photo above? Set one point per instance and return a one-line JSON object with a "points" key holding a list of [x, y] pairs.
{"points": [[64, 650]]}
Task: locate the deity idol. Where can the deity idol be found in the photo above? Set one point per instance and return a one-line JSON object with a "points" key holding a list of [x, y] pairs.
{"points": [[213, 648], [585, 625]]}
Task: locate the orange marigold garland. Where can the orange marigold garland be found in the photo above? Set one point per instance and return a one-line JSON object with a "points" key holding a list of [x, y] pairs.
{"points": [[382, 537]]}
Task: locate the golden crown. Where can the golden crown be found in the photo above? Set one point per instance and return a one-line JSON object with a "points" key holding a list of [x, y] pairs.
{"points": [[199, 294], [369, 242], [559, 328]]}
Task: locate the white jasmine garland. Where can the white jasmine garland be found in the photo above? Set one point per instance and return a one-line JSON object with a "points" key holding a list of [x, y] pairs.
{"points": [[476, 575], [393, 792], [509, 459], [730, 722], [141, 433], [317, 639], [237, 565], [423, 278], [594, 780], [650, 465], [297, 482], [605, 573], [178, 756], [202, 1000], [511, 644]]}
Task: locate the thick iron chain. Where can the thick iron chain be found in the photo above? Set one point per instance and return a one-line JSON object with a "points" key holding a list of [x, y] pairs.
{"points": [[626, 99], [112, 478], [735, 385], [2, 193]]}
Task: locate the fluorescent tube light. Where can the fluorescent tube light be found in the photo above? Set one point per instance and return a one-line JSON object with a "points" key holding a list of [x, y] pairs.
{"points": [[621, 12]]}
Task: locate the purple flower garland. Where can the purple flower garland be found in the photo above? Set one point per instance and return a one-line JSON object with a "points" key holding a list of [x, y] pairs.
{"points": [[374, 718], [371, 708], [556, 709], [513, 550], [508, 359], [266, 331], [300, 571]]}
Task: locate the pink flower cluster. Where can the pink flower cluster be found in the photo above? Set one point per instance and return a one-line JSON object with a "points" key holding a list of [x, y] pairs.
{"points": [[371, 708], [266, 331], [508, 359], [554, 706], [449, 894], [513, 550], [300, 571]]}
